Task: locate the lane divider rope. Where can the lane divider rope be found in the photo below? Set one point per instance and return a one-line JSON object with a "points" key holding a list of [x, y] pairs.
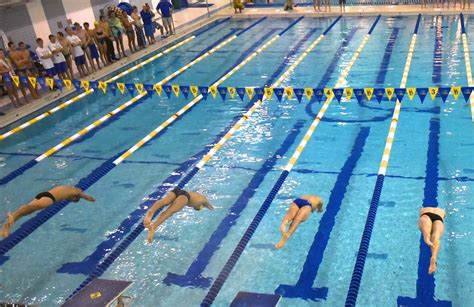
{"points": [[467, 60], [356, 278]]}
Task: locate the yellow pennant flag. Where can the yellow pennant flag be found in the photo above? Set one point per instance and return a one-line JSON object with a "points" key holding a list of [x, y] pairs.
{"points": [[328, 92], [411, 91], [158, 89], [50, 82], [309, 93], [121, 87], [194, 90], [175, 89], [32, 81], [250, 91], [455, 90], [102, 86], [213, 90], [85, 84], [67, 83], [433, 91], [369, 91], [389, 92], [289, 92], [140, 88], [16, 80], [268, 92], [348, 91], [232, 91]]}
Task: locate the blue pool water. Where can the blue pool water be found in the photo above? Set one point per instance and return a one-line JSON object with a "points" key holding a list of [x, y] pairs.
{"points": [[431, 162]]}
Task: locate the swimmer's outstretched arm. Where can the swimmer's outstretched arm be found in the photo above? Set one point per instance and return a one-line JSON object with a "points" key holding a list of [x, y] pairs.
{"points": [[86, 196]]}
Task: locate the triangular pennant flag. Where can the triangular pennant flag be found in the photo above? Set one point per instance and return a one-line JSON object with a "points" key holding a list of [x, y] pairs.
{"points": [[308, 93], [289, 92], [433, 92], [359, 93], [194, 90], [213, 91], [175, 88], [232, 91], [16, 80], [41, 81], [260, 92], [241, 92], [140, 88], [204, 90], [32, 81], [103, 86], [85, 84], [318, 93], [411, 91], [158, 89], [338, 92], [299, 92], [455, 90], [223, 92], [348, 91], [422, 92], [93, 84], [369, 91], [389, 92], [149, 89], [59, 84], [130, 88], [279, 91], [466, 92], [328, 92], [50, 82], [400, 93], [250, 91], [8, 79], [268, 92], [167, 89], [444, 92], [185, 90], [113, 88], [67, 83], [121, 87], [24, 80], [379, 93]]}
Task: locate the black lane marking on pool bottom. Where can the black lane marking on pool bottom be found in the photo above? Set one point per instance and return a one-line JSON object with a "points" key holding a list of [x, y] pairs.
{"points": [[193, 276], [304, 286], [425, 283], [33, 223], [22, 169]]}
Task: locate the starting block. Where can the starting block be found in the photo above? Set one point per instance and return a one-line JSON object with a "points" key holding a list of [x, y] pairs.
{"points": [[100, 292], [249, 299]]}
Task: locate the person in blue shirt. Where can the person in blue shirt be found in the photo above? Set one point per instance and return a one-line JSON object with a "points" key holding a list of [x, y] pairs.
{"points": [[165, 9], [147, 17]]}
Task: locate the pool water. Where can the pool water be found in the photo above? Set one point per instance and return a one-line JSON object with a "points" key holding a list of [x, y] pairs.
{"points": [[431, 161]]}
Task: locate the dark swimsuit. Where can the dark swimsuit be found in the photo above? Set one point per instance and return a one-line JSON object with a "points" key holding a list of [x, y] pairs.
{"points": [[178, 192], [46, 194], [433, 217], [300, 202]]}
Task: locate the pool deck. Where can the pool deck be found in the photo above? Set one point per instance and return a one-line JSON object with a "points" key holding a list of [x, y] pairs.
{"points": [[190, 19]]}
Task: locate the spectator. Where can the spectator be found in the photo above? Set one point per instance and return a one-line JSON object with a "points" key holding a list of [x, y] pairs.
{"points": [[137, 21], [288, 5], [128, 25], [101, 42], [19, 64], [91, 45], [108, 39], [46, 58], [6, 72], [165, 9], [238, 6], [84, 37], [59, 60], [79, 57], [117, 31], [67, 51]]}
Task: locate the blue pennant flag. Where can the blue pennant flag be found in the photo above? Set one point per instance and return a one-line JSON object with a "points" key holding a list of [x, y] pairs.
{"points": [[318, 94], [444, 92], [241, 92], [76, 83], [422, 92], [466, 92], [299, 92], [279, 91], [259, 91], [113, 88], [359, 93], [25, 80], [167, 89], [59, 84], [185, 90], [222, 91], [94, 85], [338, 93], [130, 87], [204, 90], [400, 92], [149, 89], [379, 93], [8, 79]]}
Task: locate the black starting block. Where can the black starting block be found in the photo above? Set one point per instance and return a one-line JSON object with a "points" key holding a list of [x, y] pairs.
{"points": [[249, 299], [100, 292]]}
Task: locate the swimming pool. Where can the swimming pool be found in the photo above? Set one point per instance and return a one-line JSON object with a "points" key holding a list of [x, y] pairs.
{"points": [[430, 162]]}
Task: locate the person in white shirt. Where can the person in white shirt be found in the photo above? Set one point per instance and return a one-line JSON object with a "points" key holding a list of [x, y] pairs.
{"points": [[58, 58], [78, 53], [46, 58]]}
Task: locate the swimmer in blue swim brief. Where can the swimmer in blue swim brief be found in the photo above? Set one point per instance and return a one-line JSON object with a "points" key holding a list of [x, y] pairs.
{"points": [[300, 209]]}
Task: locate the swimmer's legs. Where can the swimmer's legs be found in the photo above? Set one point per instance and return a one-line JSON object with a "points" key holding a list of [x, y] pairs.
{"points": [[437, 233], [24, 210], [290, 215], [165, 201], [425, 225], [175, 206], [301, 216]]}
